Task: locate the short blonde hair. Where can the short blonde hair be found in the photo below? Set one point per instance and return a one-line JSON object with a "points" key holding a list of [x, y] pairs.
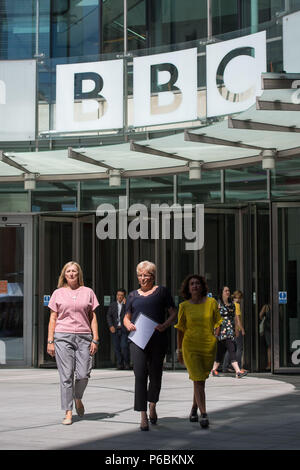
{"points": [[148, 265], [237, 294], [62, 280]]}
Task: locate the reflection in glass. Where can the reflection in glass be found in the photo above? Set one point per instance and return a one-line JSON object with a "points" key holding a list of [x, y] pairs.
{"points": [[208, 189], [96, 192], [171, 21], [17, 29], [13, 198], [151, 190], [285, 180], [246, 184], [288, 269], [11, 293], [113, 25], [75, 28], [55, 196]]}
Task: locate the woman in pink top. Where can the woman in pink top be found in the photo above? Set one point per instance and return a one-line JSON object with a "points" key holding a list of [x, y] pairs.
{"points": [[73, 336]]}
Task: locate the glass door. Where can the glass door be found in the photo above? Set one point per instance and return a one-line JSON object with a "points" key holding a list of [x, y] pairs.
{"points": [[15, 291], [61, 239], [286, 289], [56, 247], [255, 268]]}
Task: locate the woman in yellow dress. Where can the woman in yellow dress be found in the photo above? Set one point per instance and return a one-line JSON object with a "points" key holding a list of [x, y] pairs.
{"points": [[198, 317]]}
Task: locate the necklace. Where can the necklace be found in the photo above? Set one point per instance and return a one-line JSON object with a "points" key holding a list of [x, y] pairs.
{"points": [[72, 293]]}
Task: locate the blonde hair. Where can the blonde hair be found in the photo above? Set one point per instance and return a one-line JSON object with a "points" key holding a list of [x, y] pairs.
{"points": [[148, 265], [237, 294], [62, 280]]}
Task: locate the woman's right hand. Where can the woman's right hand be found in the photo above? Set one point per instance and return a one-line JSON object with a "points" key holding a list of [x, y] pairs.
{"points": [[180, 357], [130, 326], [51, 350]]}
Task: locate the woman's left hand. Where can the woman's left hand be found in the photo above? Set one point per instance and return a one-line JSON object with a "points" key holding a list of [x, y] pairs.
{"points": [[161, 327], [93, 348]]}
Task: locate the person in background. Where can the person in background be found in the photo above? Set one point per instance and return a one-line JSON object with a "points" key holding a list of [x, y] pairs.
{"points": [[265, 330], [119, 334], [227, 334], [72, 336], [239, 333], [198, 317], [153, 301]]}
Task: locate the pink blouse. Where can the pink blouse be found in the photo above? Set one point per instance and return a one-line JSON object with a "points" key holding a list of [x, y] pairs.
{"points": [[73, 308]]}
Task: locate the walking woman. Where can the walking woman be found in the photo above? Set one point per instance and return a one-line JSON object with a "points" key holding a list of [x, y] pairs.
{"points": [[198, 317], [153, 301], [227, 334], [72, 336]]}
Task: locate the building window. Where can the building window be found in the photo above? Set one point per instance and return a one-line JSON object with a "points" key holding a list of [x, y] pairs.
{"points": [[75, 28], [208, 189], [246, 184], [17, 29]]}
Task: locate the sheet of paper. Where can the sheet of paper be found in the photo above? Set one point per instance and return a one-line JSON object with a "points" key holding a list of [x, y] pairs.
{"points": [[144, 330]]}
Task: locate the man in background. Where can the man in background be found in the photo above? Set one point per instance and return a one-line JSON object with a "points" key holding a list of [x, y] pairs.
{"points": [[119, 333]]}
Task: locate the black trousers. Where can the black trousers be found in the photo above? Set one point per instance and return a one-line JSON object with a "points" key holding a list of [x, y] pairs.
{"points": [[121, 347], [148, 365], [226, 345]]}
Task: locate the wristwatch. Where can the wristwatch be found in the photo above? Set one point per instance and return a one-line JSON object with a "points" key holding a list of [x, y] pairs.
{"points": [[95, 342], [50, 342]]}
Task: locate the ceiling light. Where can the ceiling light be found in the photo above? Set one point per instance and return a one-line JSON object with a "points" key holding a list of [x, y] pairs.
{"points": [[268, 159], [195, 170], [114, 177], [29, 181]]}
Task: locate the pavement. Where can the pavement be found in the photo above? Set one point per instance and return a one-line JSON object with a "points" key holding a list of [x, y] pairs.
{"points": [[259, 411]]}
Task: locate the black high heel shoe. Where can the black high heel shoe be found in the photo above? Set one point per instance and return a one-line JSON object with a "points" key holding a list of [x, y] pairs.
{"points": [[194, 414], [144, 427], [204, 423], [153, 418]]}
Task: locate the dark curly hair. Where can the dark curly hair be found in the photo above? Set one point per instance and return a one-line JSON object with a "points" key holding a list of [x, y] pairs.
{"points": [[184, 290]]}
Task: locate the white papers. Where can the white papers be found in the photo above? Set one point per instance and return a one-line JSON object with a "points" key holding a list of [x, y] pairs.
{"points": [[144, 330]]}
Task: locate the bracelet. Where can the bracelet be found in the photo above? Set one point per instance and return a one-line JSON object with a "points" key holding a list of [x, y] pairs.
{"points": [[95, 342], [178, 351], [50, 342]]}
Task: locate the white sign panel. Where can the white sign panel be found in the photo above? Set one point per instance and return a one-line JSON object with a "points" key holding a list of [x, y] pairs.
{"points": [[291, 40], [165, 88], [17, 99], [234, 71], [89, 96]]}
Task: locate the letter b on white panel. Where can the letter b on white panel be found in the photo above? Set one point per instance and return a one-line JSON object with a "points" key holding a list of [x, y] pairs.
{"points": [[165, 88], [89, 96], [233, 73]]}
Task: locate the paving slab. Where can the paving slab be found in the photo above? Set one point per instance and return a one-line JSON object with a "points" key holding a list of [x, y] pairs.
{"points": [[255, 412]]}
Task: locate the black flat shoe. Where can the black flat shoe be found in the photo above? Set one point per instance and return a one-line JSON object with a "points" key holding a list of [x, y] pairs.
{"points": [[204, 423], [193, 415]]}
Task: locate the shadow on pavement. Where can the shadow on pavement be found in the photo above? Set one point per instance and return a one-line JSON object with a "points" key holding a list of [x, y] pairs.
{"points": [[272, 424]]}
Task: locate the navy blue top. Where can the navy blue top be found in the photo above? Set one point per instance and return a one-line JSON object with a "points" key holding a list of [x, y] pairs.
{"points": [[153, 305]]}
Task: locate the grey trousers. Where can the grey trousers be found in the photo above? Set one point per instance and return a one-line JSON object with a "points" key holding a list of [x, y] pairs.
{"points": [[73, 359]]}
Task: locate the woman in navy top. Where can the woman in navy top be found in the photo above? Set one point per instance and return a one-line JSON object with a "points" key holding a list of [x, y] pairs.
{"points": [[153, 301]]}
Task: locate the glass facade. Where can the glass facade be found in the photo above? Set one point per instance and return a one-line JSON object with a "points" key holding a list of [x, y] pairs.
{"points": [[246, 184], [55, 196], [74, 28], [13, 197], [238, 200]]}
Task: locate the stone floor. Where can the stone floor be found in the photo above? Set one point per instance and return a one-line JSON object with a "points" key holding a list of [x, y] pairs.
{"points": [[260, 411]]}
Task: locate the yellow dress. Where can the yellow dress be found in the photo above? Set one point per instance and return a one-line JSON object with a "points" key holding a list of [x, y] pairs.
{"points": [[199, 345]]}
